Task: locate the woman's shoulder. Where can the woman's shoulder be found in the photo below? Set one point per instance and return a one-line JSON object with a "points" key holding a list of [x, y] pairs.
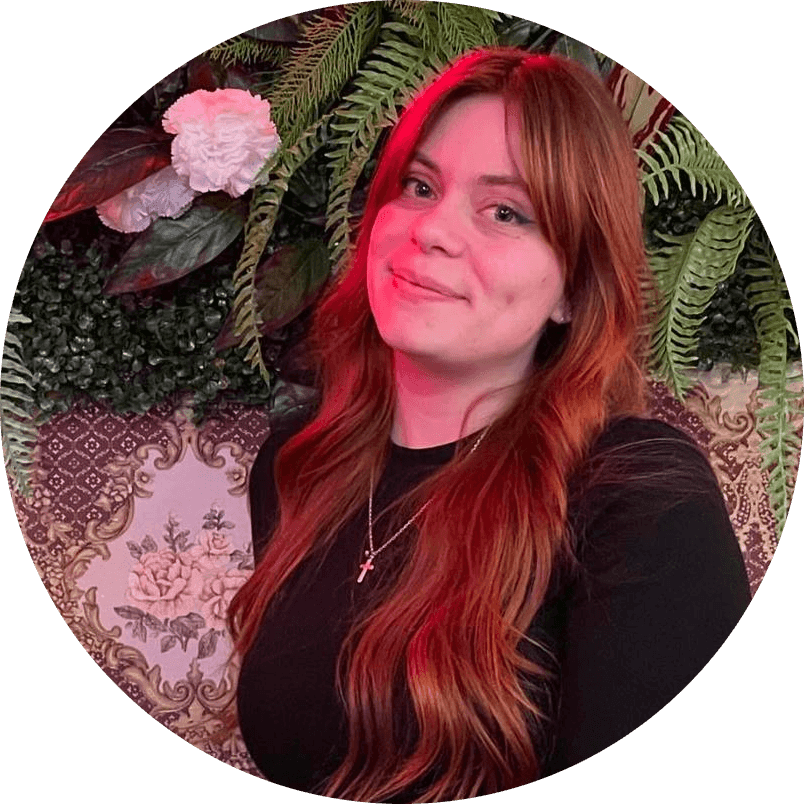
{"points": [[282, 428], [263, 498], [642, 431], [649, 498], [648, 453]]}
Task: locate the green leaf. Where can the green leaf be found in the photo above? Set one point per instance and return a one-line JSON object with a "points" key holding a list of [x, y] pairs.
{"points": [[577, 51], [286, 283], [683, 151], [170, 249], [687, 271], [779, 414], [17, 411], [331, 49], [265, 204]]}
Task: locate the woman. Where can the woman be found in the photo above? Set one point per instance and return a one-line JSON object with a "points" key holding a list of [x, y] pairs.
{"points": [[478, 564]]}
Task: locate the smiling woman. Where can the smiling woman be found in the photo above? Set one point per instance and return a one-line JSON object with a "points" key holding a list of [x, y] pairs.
{"points": [[479, 562], [460, 278]]}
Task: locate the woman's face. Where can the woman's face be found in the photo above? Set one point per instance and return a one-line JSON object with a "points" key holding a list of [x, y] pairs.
{"points": [[459, 275]]}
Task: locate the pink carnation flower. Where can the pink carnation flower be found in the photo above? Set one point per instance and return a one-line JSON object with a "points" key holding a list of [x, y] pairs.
{"points": [[222, 138], [163, 194]]}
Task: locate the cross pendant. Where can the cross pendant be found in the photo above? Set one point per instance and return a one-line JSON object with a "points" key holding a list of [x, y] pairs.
{"points": [[365, 566]]}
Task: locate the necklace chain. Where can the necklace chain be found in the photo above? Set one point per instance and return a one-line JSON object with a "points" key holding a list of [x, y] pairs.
{"points": [[373, 551]]}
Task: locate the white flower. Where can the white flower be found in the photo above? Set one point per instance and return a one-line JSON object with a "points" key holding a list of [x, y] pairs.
{"points": [[163, 194], [222, 138]]}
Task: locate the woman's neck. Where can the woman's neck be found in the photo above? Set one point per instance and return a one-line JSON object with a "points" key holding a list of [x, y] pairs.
{"points": [[431, 406]]}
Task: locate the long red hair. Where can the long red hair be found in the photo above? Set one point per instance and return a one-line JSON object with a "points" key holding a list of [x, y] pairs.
{"points": [[489, 542]]}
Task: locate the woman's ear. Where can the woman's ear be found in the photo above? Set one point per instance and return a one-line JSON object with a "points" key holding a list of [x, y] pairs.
{"points": [[561, 314]]}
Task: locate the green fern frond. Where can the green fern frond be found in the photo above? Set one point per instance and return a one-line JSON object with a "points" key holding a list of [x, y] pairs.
{"points": [[682, 150], [247, 51], [265, 203], [687, 271], [318, 69], [19, 431], [463, 28], [779, 417], [448, 29], [394, 71], [412, 48]]}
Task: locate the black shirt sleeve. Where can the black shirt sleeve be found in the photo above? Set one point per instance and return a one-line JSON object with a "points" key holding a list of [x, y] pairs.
{"points": [[662, 586]]}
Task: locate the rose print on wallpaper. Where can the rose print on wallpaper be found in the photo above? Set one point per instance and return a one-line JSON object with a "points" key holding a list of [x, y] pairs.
{"points": [[180, 593]]}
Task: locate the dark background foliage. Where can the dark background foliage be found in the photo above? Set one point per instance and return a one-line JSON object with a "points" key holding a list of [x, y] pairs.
{"points": [[134, 350]]}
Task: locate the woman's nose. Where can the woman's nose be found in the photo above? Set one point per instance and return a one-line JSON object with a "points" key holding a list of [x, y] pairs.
{"points": [[439, 228]]}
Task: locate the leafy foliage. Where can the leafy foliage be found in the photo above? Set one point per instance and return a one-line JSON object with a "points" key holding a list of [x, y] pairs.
{"points": [[336, 79], [286, 283], [246, 50], [320, 66], [682, 151], [688, 270], [259, 227], [779, 417], [132, 351], [120, 158], [448, 29], [170, 249], [16, 398]]}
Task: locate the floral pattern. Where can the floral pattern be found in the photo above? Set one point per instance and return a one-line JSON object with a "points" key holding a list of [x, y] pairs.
{"points": [[176, 591]]}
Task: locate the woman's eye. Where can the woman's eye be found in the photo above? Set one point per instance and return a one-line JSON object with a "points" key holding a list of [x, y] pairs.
{"points": [[417, 188], [505, 214]]}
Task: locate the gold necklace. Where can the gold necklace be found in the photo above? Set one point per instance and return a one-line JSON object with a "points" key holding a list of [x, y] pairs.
{"points": [[373, 551]]}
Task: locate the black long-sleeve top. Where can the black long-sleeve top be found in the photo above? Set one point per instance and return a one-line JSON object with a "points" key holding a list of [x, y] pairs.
{"points": [[661, 585]]}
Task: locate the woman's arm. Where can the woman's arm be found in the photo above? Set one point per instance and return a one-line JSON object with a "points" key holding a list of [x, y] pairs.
{"points": [[663, 586]]}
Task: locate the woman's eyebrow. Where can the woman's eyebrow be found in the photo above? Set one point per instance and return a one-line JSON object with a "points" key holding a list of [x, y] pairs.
{"points": [[506, 181], [428, 163], [490, 180]]}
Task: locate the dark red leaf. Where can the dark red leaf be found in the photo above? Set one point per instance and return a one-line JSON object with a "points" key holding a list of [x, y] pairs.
{"points": [[287, 283], [201, 75], [169, 249], [644, 109], [120, 157]]}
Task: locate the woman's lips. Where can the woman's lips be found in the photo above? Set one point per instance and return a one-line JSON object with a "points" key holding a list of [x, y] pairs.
{"points": [[422, 286]]}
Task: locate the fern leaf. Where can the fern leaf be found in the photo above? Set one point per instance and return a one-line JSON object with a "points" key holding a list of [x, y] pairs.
{"points": [[411, 49], [19, 431], [687, 271], [265, 204], [463, 28], [779, 417], [318, 69], [396, 68], [682, 151], [245, 50], [448, 29]]}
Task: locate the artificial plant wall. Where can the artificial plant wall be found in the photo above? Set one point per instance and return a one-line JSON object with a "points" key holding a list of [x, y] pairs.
{"points": [[211, 296]]}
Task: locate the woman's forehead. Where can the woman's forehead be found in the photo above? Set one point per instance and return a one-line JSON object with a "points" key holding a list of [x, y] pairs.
{"points": [[482, 127]]}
